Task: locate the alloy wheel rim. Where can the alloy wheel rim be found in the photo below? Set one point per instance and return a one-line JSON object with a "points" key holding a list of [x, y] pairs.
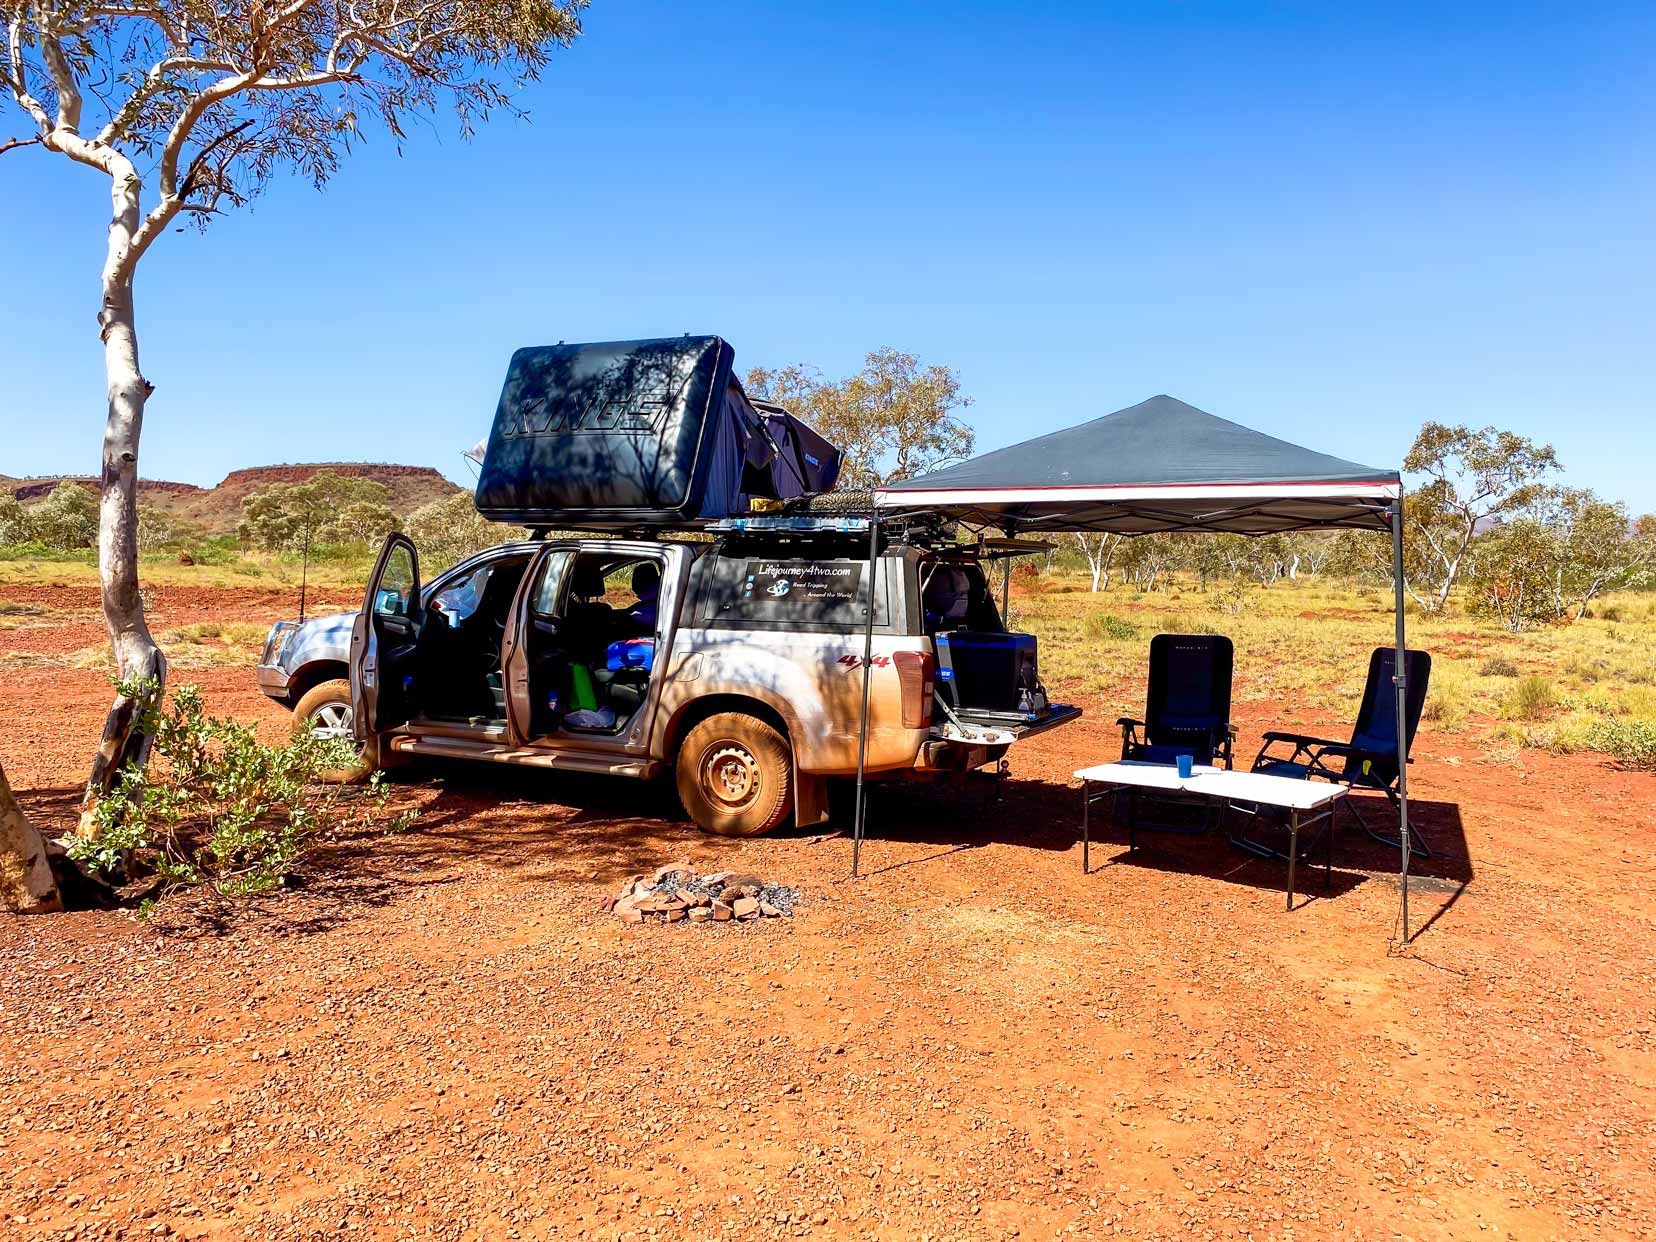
{"points": [[333, 722]]}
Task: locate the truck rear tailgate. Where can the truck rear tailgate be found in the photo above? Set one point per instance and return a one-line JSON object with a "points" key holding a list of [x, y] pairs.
{"points": [[1017, 728]]}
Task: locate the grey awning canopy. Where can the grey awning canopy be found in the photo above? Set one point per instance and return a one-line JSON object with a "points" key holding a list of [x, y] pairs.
{"points": [[1159, 465]]}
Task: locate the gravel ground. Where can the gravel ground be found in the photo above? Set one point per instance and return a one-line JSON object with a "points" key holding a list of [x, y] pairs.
{"points": [[438, 1035]]}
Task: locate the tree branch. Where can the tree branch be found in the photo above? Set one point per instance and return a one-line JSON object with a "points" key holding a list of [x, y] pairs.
{"points": [[12, 143], [17, 79], [57, 66]]}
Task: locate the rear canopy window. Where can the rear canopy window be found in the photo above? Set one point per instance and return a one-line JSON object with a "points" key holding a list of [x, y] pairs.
{"points": [[793, 591]]}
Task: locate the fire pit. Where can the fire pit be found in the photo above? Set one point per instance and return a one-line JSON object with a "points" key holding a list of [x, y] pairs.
{"points": [[676, 894]]}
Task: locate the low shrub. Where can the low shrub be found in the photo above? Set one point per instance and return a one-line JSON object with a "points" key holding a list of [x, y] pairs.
{"points": [[1111, 628], [1530, 698], [34, 550], [1498, 666], [215, 807], [1633, 742]]}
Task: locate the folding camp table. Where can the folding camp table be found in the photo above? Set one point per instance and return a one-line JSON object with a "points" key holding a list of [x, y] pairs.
{"points": [[1306, 802]]}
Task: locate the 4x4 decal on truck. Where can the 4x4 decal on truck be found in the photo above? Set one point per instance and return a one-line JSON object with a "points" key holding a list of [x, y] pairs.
{"points": [[856, 661]]}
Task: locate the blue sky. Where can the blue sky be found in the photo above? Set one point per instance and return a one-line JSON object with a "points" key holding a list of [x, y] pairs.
{"points": [[1327, 222]]}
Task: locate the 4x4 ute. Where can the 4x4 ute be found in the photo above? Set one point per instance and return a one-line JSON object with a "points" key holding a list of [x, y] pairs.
{"points": [[735, 663]]}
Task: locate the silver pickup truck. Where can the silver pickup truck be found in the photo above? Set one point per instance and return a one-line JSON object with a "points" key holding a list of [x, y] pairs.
{"points": [[735, 663]]}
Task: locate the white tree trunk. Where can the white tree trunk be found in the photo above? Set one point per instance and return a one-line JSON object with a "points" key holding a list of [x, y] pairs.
{"points": [[26, 881], [136, 655]]}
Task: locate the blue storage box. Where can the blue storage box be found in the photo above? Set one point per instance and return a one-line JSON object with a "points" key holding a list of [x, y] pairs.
{"points": [[630, 653]]}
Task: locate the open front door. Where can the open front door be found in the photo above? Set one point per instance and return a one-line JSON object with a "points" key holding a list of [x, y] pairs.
{"points": [[384, 641]]}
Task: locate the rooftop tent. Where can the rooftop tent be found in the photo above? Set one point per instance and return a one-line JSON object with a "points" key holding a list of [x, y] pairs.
{"points": [[639, 433], [1155, 466]]}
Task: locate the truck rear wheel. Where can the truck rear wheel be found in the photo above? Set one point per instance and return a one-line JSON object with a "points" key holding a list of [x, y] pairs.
{"points": [[735, 775], [325, 711]]}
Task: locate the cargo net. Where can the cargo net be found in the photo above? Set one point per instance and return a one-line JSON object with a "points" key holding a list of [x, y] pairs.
{"points": [[851, 502]]}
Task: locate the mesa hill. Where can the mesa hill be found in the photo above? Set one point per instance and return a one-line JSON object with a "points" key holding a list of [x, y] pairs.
{"points": [[218, 509]]}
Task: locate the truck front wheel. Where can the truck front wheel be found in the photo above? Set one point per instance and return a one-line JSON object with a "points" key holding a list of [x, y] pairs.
{"points": [[735, 775], [324, 711]]}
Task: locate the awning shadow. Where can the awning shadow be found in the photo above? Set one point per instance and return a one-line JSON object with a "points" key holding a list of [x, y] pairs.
{"points": [[1046, 815]]}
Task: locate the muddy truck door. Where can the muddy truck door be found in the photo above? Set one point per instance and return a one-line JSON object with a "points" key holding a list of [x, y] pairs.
{"points": [[384, 642]]}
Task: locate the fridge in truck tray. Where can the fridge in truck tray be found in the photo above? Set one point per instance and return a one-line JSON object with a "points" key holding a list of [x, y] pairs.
{"points": [[989, 672]]}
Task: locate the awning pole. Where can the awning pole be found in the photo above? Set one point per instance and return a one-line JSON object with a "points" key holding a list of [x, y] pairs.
{"points": [[868, 672], [1400, 680], [1006, 586]]}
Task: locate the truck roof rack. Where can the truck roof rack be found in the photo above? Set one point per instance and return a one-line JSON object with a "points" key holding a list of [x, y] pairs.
{"points": [[792, 524]]}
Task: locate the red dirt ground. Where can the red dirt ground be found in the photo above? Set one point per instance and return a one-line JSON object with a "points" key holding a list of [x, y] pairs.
{"points": [[437, 1035]]}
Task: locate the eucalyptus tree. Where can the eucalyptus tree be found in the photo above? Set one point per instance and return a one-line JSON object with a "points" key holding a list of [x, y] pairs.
{"points": [[187, 109], [26, 881], [1472, 480], [894, 419]]}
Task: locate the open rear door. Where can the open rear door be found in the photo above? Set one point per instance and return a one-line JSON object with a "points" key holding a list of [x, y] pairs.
{"points": [[384, 641]]}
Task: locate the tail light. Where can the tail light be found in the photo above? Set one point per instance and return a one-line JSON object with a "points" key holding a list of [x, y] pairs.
{"points": [[914, 681]]}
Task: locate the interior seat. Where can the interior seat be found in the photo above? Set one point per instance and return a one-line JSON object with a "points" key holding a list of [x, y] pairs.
{"points": [[947, 598]]}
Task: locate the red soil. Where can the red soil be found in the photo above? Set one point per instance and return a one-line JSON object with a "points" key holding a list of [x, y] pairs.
{"points": [[437, 1034]]}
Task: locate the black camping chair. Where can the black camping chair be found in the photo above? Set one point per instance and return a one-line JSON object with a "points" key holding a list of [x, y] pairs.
{"points": [[1369, 759], [1186, 712], [1187, 709]]}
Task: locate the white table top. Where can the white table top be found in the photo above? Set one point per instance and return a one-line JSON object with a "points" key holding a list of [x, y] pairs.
{"points": [[1208, 782]]}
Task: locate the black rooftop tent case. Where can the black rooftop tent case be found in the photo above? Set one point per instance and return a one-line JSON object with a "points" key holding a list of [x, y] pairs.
{"points": [[654, 433], [1163, 465]]}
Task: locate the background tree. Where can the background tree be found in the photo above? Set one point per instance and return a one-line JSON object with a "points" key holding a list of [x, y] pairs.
{"points": [[1147, 559], [14, 522], [449, 530], [156, 528], [1509, 576], [1100, 551], [1472, 478], [1586, 546], [1313, 550], [188, 108], [67, 519], [325, 509], [894, 419]]}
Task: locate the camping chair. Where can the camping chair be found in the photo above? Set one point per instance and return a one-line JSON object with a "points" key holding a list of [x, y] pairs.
{"points": [[1369, 760], [1187, 708], [1186, 712]]}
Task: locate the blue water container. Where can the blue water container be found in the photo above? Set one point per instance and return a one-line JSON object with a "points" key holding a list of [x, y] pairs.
{"points": [[630, 653]]}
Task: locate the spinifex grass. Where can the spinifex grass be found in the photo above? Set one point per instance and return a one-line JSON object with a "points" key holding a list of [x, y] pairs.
{"points": [[1305, 644]]}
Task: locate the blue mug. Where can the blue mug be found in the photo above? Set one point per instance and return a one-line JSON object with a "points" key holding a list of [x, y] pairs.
{"points": [[1186, 763]]}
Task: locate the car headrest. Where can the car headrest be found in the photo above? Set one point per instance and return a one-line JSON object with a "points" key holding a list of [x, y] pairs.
{"points": [[588, 581], [948, 594], [646, 581]]}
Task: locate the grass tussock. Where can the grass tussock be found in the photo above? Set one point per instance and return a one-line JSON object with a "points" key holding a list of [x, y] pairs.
{"points": [[231, 633], [1531, 698]]}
